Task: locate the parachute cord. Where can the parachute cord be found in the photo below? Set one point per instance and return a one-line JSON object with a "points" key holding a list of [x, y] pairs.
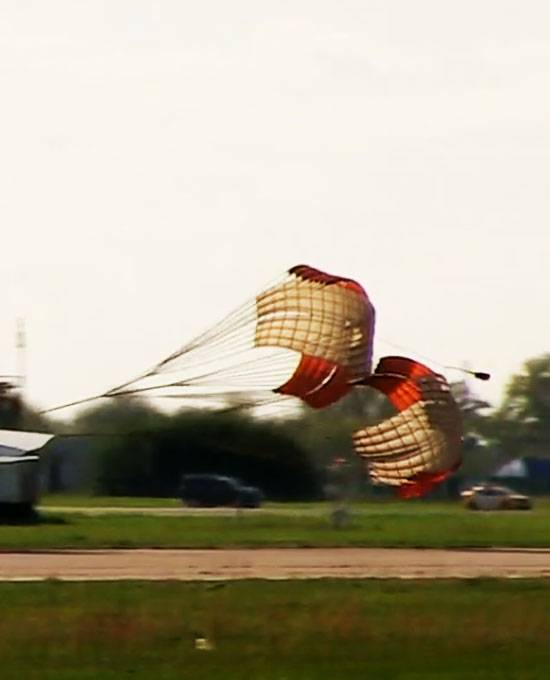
{"points": [[480, 375], [72, 403]]}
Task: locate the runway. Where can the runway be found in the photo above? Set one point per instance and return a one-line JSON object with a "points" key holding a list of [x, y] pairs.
{"points": [[285, 563]]}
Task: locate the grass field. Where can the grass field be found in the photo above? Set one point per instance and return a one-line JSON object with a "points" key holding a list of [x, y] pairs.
{"points": [[380, 524], [275, 630], [81, 501]]}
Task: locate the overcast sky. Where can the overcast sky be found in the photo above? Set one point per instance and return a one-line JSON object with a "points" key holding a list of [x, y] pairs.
{"points": [[162, 161]]}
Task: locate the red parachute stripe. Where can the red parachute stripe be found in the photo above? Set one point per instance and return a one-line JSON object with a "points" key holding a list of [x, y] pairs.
{"points": [[420, 484], [317, 381], [395, 376], [401, 391], [311, 274], [403, 366]]}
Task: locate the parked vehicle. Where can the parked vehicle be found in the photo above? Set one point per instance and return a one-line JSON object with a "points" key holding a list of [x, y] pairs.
{"points": [[492, 497], [207, 490]]}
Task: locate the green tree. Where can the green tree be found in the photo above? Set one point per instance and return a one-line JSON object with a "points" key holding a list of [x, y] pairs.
{"points": [[522, 423], [16, 414], [140, 451], [11, 407], [479, 453]]}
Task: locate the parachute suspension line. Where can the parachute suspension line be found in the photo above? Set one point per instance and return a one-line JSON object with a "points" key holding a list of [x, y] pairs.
{"points": [[192, 346], [229, 327], [217, 338], [78, 402], [307, 335], [480, 375], [232, 322], [264, 366], [251, 374], [215, 344], [224, 343], [217, 349]]}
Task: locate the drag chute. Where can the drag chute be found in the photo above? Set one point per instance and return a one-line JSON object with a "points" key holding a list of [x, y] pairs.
{"points": [[329, 322], [309, 335], [420, 446]]}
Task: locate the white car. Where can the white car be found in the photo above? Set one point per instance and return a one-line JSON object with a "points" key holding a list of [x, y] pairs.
{"points": [[492, 497]]}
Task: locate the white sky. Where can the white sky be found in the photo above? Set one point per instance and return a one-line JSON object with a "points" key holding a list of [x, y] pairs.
{"points": [[162, 161]]}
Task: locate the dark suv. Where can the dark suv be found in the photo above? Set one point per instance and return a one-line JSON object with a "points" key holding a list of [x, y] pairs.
{"points": [[208, 491]]}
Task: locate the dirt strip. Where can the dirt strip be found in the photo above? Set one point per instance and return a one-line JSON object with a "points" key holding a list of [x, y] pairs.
{"points": [[191, 565]]}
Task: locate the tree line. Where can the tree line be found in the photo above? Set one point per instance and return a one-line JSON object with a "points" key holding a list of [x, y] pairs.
{"points": [[138, 449]]}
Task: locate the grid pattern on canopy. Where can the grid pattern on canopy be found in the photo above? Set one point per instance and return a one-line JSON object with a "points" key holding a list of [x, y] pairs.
{"points": [[424, 438], [262, 345], [316, 318]]}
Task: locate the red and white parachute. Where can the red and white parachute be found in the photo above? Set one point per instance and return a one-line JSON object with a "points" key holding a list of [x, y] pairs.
{"points": [[308, 335], [420, 446]]}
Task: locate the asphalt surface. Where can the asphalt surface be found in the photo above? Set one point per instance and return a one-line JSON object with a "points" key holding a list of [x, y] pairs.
{"points": [[286, 563], [179, 511]]}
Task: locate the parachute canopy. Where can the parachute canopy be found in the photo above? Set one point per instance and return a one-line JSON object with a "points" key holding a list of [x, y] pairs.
{"points": [[421, 445], [308, 335]]}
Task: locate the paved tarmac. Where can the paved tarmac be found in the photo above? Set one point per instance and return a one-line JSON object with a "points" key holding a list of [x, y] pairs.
{"points": [[183, 511], [285, 563]]}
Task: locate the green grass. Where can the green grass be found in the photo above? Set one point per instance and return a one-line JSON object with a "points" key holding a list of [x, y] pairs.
{"points": [[277, 630], [85, 501], [383, 524]]}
